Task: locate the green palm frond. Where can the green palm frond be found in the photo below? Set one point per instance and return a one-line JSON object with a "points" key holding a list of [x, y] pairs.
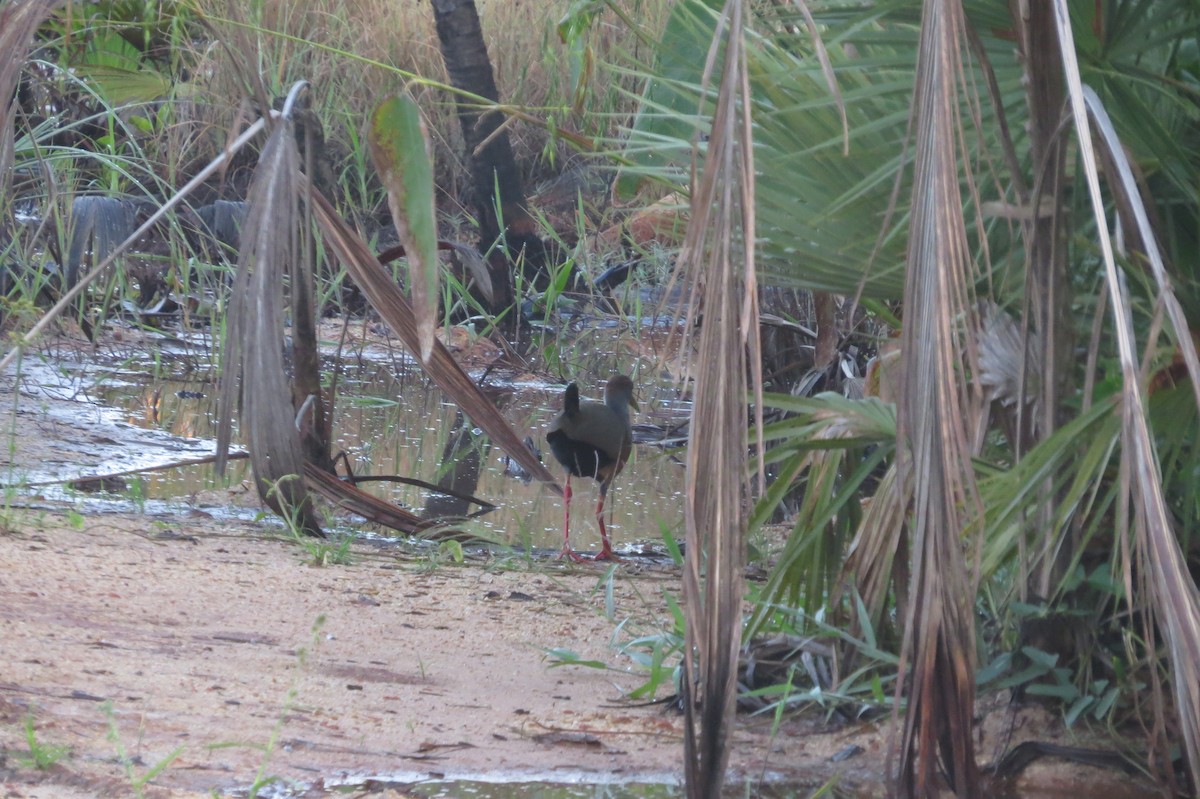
{"points": [[828, 449], [1075, 462], [832, 207]]}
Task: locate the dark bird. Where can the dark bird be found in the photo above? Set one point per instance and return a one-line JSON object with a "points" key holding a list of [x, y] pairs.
{"points": [[593, 439]]}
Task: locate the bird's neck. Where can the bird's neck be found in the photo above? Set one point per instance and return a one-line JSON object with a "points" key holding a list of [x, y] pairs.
{"points": [[619, 406]]}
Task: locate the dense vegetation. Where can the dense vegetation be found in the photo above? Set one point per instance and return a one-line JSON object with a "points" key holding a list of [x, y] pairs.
{"points": [[1004, 500]]}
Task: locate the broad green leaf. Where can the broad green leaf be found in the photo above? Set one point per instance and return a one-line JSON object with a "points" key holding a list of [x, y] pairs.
{"points": [[1046, 660], [400, 149], [1081, 704], [994, 669]]}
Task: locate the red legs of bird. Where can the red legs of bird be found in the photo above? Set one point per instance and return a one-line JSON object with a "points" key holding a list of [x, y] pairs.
{"points": [[606, 551], [567, 552]]}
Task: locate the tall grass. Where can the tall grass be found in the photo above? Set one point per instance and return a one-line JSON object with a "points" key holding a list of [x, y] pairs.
{"points": [[357, 52], [225, 59]]}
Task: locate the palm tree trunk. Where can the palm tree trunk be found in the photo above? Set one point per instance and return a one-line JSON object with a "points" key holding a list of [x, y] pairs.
{"points": [[499, 193], [1048, 286]]}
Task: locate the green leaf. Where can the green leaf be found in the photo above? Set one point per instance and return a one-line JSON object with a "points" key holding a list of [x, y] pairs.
{"points": [[1066, 693], [565, 657], [400, 149], [1026, 610], [994, 669], [672, 545], [864, 621], [578, 19], [1044, 659], [877, 689], [1078, 707], [1106, 702], [369, 402], [453, 549], [1022, 677]]}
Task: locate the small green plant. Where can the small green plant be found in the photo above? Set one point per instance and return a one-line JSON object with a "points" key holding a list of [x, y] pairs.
{"points": [[867, 687], [446, 552], [451, 550], [137, 493], [671, 543], [323, 551], [41, 756], [136, 781], [1042, 676], [658, 654], [524, 542]]}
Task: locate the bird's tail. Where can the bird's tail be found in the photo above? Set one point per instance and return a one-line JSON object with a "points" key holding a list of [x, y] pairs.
{"points": [[571, 400]]}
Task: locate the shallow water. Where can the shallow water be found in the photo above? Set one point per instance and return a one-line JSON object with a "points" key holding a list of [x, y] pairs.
{"points": [[390, 420], [584, 785]]}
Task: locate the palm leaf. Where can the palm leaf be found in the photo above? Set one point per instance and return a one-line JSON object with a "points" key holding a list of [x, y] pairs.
{"points": [[400, 149], [933, 442], [387, 299], [255, 377], [827, 220], [722, 273], [18, 22], [814, 450], [1072, 464], [1173, 596]]}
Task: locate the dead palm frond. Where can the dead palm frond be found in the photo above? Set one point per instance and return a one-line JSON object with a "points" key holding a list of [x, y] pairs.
{"points": [[18, 21], [718, 260], [286, 454], [253, 365], [347, 496], [389, 301], [1143, 513], [933, 446]]}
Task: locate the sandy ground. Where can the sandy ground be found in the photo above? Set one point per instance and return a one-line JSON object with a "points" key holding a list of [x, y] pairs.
{"points": [[176, 653], [184, 633]]}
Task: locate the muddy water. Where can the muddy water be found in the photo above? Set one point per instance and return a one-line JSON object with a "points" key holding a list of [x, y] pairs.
{"points": [[390, 420]]}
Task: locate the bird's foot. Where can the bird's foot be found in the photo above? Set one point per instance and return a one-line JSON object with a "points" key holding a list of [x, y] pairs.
{"points": [[609, 555], [567, 552]]}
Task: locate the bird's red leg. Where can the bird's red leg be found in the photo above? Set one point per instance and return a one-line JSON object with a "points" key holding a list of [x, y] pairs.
{"points": [[567, 552], [606, 550]]}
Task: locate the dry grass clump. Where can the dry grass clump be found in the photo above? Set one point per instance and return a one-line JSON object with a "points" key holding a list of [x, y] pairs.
{"points": [[357, 52]]}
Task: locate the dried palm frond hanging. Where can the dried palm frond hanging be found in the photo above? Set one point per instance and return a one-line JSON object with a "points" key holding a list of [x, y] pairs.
{"points": [[933, 444], [1157, 562], [719, 264], [253, 365]]}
